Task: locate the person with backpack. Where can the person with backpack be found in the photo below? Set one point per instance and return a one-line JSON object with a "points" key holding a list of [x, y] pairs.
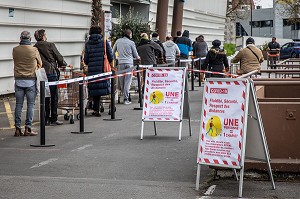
{"points": [[216, 60], [250, 57], [185, 46]]}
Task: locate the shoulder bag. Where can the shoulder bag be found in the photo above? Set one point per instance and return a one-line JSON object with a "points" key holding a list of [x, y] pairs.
{"points": [[106, 66]]}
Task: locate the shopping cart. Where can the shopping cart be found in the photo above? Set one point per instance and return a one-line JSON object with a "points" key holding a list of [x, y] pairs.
{"points": [[68, 94]]}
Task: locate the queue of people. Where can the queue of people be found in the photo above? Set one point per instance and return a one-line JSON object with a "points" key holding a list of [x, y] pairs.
{"points": [[148, 52]]}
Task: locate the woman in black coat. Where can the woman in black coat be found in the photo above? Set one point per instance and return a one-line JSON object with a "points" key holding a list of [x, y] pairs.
{"points": [[94, 59], [216, 59]]}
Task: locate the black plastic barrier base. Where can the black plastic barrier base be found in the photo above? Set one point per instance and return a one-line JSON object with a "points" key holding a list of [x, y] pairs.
{"points": [[42, 118], [81, 112]]}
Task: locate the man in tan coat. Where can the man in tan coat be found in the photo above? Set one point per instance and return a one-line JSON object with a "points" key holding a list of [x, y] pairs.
{"points": [[26, 60], [250, 57]]}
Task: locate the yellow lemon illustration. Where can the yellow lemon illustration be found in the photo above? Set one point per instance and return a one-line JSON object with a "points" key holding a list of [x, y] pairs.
{"points": [[214, 126], [156, 97]]}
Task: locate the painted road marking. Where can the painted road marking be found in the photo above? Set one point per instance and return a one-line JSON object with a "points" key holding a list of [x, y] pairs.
{"points": [[43, 163], [23, 110], [25, 149], [210, 190], [8, 128], [83, 147], [9, 115]]}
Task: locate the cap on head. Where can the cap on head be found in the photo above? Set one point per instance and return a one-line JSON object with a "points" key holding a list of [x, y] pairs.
{"points": [[25, 35], [216, 43], [250, 40], [39, 34], [155, 34]]}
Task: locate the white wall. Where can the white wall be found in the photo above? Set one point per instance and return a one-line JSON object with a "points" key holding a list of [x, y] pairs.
{"points": [[206, 18], [65, 22]]}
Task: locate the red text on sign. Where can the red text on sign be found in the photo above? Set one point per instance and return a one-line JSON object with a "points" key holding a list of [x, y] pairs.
{"points": [[219, 90]]}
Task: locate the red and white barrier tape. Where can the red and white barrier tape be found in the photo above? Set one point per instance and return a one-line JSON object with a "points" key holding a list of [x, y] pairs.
{"points": [[214, 73]]}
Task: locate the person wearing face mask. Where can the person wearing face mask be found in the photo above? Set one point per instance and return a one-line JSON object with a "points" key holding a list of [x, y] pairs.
{"points": [[52, 61], [126, 53]]}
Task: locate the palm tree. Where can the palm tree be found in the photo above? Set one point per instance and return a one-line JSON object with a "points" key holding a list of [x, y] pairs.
{"points": [[96, 12]]}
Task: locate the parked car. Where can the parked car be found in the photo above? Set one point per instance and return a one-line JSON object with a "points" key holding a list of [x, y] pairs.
{"points": [[290, 50]]}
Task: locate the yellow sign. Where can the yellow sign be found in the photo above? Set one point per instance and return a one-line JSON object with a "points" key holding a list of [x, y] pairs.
{"points": [[214, 127], [156, 97]]}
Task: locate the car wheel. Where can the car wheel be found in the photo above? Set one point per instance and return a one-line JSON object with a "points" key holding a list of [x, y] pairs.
{"points": [[293, 55]]}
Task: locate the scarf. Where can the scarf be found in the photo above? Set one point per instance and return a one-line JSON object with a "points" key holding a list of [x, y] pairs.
{"points": [[25, 42]]}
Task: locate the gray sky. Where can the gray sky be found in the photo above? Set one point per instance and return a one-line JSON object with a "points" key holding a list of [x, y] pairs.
{"points": [[264, 3]]}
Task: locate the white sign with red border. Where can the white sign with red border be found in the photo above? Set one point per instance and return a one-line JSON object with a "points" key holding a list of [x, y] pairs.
{"points": [[230, 110], [222, 123], [164, 96]]}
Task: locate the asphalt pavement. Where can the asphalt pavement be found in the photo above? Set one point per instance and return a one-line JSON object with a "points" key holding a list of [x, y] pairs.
{"points": [[112, 161]]}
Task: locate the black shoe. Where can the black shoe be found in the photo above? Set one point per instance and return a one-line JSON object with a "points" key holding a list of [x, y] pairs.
{"points": [[57, 123], [96, 114]]}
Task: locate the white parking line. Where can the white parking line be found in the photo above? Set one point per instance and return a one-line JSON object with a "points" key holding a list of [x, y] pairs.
{"points": [[83, 147], [210, 190], [44, 163]]}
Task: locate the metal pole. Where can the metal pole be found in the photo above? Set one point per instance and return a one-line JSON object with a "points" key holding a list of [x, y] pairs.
{"points": [[112, 100], [81, 111], [42, 118], [42, 114], [251, 25], [139, 87], [192, 78]]}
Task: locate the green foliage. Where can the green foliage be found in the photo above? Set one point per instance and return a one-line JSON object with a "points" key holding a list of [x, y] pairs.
{"points": [[230, 49], [130, 21], [264, 46]]}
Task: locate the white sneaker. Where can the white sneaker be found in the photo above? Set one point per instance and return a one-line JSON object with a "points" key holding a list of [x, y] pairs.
{"points": [[126, 102]]}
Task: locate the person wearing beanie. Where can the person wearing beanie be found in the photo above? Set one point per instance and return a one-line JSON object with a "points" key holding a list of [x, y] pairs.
{"points": [[216, 59], [249, 57], [155, 38], [52, 61], [26, 60], [149, 51]]}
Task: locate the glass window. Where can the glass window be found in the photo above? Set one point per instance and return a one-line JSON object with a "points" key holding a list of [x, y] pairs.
{"points": [[255, 24], [268, 23], [115, 9], [124, 9]]}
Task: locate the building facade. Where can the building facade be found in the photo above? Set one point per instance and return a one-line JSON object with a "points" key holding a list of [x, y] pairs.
{"points": [[67, 21]]}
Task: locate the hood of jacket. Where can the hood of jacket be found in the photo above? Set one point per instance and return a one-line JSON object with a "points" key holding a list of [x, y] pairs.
{"points": [[169, 43], [186, 33], [144, 41], [95, 38]]}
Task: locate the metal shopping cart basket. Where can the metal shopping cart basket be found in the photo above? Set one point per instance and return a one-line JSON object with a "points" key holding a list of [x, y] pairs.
{"points": [[68, 94]]}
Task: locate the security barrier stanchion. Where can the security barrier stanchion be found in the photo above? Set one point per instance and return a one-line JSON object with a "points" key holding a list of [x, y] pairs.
{"points": [[192, 73], [139, 87], [81, 111], [112, 100], [200, 73], [42, 118]]}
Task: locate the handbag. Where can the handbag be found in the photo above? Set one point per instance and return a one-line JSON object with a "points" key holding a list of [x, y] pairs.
{"points": [[107, 66], [42, 76]]}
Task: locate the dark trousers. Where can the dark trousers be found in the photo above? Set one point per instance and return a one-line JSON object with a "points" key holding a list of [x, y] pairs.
{"points": [[51, 103], [96, 103]]}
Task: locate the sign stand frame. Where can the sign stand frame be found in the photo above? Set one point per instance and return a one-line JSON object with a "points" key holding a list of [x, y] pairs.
{"points": [[185, 100], [250, 97]]}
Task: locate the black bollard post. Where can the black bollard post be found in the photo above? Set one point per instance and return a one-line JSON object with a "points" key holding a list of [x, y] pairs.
{"points": [[81, 112], [193, 78], [112, 100], [42, 118], [139, 87], [199, 73], [179, 65]]}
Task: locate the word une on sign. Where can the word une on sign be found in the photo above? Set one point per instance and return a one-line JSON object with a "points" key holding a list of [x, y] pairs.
{"points": [[172, 94]]}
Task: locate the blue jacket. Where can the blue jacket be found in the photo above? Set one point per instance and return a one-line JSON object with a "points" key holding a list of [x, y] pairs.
{"points": [[184, 44], [94, 58]]}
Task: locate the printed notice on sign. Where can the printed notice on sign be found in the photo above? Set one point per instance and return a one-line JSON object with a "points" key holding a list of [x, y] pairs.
{"points": [[163, 95], [222, 123]]}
